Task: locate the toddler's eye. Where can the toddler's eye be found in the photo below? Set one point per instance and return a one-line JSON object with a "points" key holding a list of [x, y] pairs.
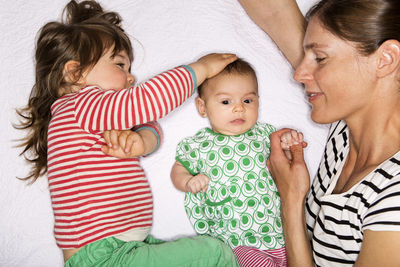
{"points": [[225, 102], [248, 101], [121, 65]]}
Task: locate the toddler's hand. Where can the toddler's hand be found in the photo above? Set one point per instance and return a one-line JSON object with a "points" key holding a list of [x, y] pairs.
{"points": [[289, 139], [123, 144], [197, 183], [210, 65]]}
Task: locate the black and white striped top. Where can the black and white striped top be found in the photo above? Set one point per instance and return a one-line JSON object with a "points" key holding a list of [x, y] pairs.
{"points": [[336, 222]]}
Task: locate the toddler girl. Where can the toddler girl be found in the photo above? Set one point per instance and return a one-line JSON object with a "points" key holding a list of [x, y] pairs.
{"points": [[103, 205]]}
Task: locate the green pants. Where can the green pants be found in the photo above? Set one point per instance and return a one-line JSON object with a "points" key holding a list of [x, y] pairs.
{"points": [[195, 251]]}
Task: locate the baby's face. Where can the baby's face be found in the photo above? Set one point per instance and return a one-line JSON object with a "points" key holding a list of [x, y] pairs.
{"points": [[230, 101]]}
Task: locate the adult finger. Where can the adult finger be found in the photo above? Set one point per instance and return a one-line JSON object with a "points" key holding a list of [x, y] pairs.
{"points": [[297, 154], [275, 138]]}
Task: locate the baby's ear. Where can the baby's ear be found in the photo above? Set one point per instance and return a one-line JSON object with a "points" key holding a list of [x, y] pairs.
{"points": [[201, 107], [71, 73]]}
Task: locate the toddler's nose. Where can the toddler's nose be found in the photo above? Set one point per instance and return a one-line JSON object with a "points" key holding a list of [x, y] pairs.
{"points": [[130, 79]]}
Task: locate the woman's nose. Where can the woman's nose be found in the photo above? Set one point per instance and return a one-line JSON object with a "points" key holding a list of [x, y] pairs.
{"points": [[303, 72]]}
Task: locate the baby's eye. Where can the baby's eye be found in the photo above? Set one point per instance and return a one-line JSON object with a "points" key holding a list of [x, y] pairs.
{"points": [[248, 101], [225, 102]]}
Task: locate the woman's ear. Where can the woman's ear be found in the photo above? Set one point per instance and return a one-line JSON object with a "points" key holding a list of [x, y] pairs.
{"points": [[201, 107], [388, 57]]}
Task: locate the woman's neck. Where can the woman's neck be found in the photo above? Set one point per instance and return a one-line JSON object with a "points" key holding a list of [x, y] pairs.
{"points": [[375, 134]]}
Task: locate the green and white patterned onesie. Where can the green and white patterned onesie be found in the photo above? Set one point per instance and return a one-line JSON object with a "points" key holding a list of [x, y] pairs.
{"points": [[241, 206]]}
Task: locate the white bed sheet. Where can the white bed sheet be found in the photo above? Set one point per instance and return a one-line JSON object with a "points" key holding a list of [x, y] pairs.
{"points": [[166, 34]]}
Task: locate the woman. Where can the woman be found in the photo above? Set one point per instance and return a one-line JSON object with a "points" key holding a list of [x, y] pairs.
{"points": [[351, 72]]}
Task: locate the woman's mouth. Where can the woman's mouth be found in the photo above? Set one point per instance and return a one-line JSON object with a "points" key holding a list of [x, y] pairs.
{"points": [[313, 96]]}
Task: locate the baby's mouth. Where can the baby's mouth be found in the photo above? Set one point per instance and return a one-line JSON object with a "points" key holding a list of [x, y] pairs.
{"points": [[238, 121]]}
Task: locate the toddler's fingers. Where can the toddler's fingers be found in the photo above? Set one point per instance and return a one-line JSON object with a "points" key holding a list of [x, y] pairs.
{"points": [[122, 138], [130, 141], [114, 138], [105, 149], [107, 138]]}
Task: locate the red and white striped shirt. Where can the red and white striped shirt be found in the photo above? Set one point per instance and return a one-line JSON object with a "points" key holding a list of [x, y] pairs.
{"points": [[94, 195]]}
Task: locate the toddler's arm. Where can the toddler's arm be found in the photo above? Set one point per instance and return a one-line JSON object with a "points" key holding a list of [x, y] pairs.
{"points": [[289, 139], [210, 65], [97, 110], [186, 182], [141, 140]]}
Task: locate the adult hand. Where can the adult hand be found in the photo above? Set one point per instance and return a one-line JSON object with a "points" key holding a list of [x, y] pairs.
{"points": [[291, 176]]}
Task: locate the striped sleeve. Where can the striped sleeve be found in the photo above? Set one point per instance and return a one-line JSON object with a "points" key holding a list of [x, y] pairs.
{"points": [[98, 110], [384, 213], [155, 128]]}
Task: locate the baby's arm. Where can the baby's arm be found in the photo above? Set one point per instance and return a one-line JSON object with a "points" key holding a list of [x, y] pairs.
{"points": [[289, 139], [186, 182]]}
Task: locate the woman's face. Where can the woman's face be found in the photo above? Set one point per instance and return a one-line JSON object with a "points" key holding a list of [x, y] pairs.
{"points": [[338, 80]]}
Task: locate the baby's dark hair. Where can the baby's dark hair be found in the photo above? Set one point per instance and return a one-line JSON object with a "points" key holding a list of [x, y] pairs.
{"points": [[238, 67], [85, 33]]}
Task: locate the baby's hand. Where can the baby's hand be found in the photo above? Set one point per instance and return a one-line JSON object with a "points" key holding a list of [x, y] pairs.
{"points": [[289, 139], [210, 65], [197, 183], [123, 144]]}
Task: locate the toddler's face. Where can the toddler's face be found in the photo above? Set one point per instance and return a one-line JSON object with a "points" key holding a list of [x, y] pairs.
{"points": [[110, 72], [230, 101]]}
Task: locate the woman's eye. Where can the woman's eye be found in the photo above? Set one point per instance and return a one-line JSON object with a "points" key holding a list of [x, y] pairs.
{"points": [[225, 102], [319, 59]]}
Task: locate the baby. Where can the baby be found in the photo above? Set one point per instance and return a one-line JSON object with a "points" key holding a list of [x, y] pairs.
{"points": [[229, 192]]}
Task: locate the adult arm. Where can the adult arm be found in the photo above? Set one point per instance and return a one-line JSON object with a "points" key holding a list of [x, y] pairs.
{"points": [[283, 22], [379, 248], [293, 182]]}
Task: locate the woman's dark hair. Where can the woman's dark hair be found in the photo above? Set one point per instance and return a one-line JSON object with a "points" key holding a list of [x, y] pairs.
{"points": [[368, 23], [238, 66], [84, 34]]}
